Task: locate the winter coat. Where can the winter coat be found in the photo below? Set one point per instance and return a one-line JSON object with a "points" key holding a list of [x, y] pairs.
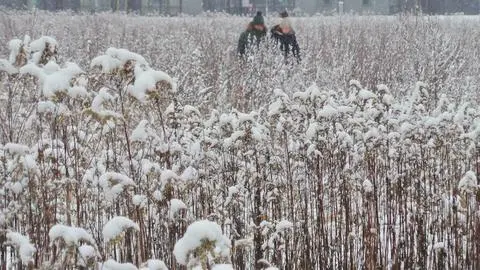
{"points": [[287, 40], [249, 37]]}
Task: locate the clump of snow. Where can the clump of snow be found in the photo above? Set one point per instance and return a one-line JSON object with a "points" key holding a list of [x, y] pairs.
{"points": [[328, 111], [284, 225], [468, 183], [188, 109], [372, 133], [229, 142], [387, 99], [98, 101], [16, 188], [222, 267], [155, 265], [439, 245], [232, 191], [113, 265], [367, 186], [312, 131], [51, 67], [113, 184], [147, 82], [7, 67], [366, 94], [140, 133], [46, 107], [16, 149], [175, 206], [168, 175], [355, 83], [87, 253], [22, 244], [33, 70], [245, 117], [267, 264], [29, 162], [116, 226], [275, 108], [60, 80], [107, 63], [280, 93], [14, 45], [77, 91], [113, 178], [2, 218], [382, 88], [124, 55], [41, 44], [189, 174], [71, 235], [301, 95], [197, 232], [246, 242], [115, 58], [55, 79], [157, 195], [140, 201]]}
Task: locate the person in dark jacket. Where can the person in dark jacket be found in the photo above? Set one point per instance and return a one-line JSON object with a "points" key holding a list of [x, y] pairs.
{"points": [[284, 35], [254, 34]]}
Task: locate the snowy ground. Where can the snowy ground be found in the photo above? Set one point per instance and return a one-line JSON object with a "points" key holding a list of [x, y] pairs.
{"points": [[130, 142]]}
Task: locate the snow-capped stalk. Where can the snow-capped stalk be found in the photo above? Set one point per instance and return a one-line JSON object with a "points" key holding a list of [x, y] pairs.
{"points": [[68, 193], [160, 115], [258, 214], [321, 232], [476, 220], [371, 229]]}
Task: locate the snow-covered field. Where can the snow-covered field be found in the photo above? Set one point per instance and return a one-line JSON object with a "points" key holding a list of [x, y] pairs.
{"points": [[143, 143]]}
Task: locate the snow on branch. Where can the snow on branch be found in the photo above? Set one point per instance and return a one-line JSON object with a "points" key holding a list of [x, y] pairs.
{"points": [[115, 59], [23, 246], [152, 82], [202, 240], [116, 226], [468, 183], [154, 265], [113, 265], [72, 236]]}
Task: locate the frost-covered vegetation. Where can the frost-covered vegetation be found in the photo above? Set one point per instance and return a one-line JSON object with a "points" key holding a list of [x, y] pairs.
{"points": [[149, 146]]}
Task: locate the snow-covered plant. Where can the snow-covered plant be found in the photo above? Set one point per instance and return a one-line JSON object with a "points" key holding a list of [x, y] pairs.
{"points": [[21, 243], [72, 242], [203, 245], [114, 228]]}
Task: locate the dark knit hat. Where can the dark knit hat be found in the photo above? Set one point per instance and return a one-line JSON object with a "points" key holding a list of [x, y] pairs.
{"points": [[258, 19], [284, 14]]}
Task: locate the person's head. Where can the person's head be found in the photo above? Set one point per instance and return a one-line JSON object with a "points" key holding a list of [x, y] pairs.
{"points": [[258, 19], [286, 25], [283, 14], [259, 27]]}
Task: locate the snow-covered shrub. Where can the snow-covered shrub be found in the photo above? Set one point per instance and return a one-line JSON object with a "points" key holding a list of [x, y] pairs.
{"points": [[203, 245], [116, 226], [364, 145], [72, 241], [22, 244]]}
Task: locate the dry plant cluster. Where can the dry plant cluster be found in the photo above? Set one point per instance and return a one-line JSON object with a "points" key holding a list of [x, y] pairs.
{"points": [[363, 156]]}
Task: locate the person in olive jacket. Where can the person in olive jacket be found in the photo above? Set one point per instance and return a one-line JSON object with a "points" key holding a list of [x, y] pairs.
{"points": [[284, 34], [254, 34]]}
